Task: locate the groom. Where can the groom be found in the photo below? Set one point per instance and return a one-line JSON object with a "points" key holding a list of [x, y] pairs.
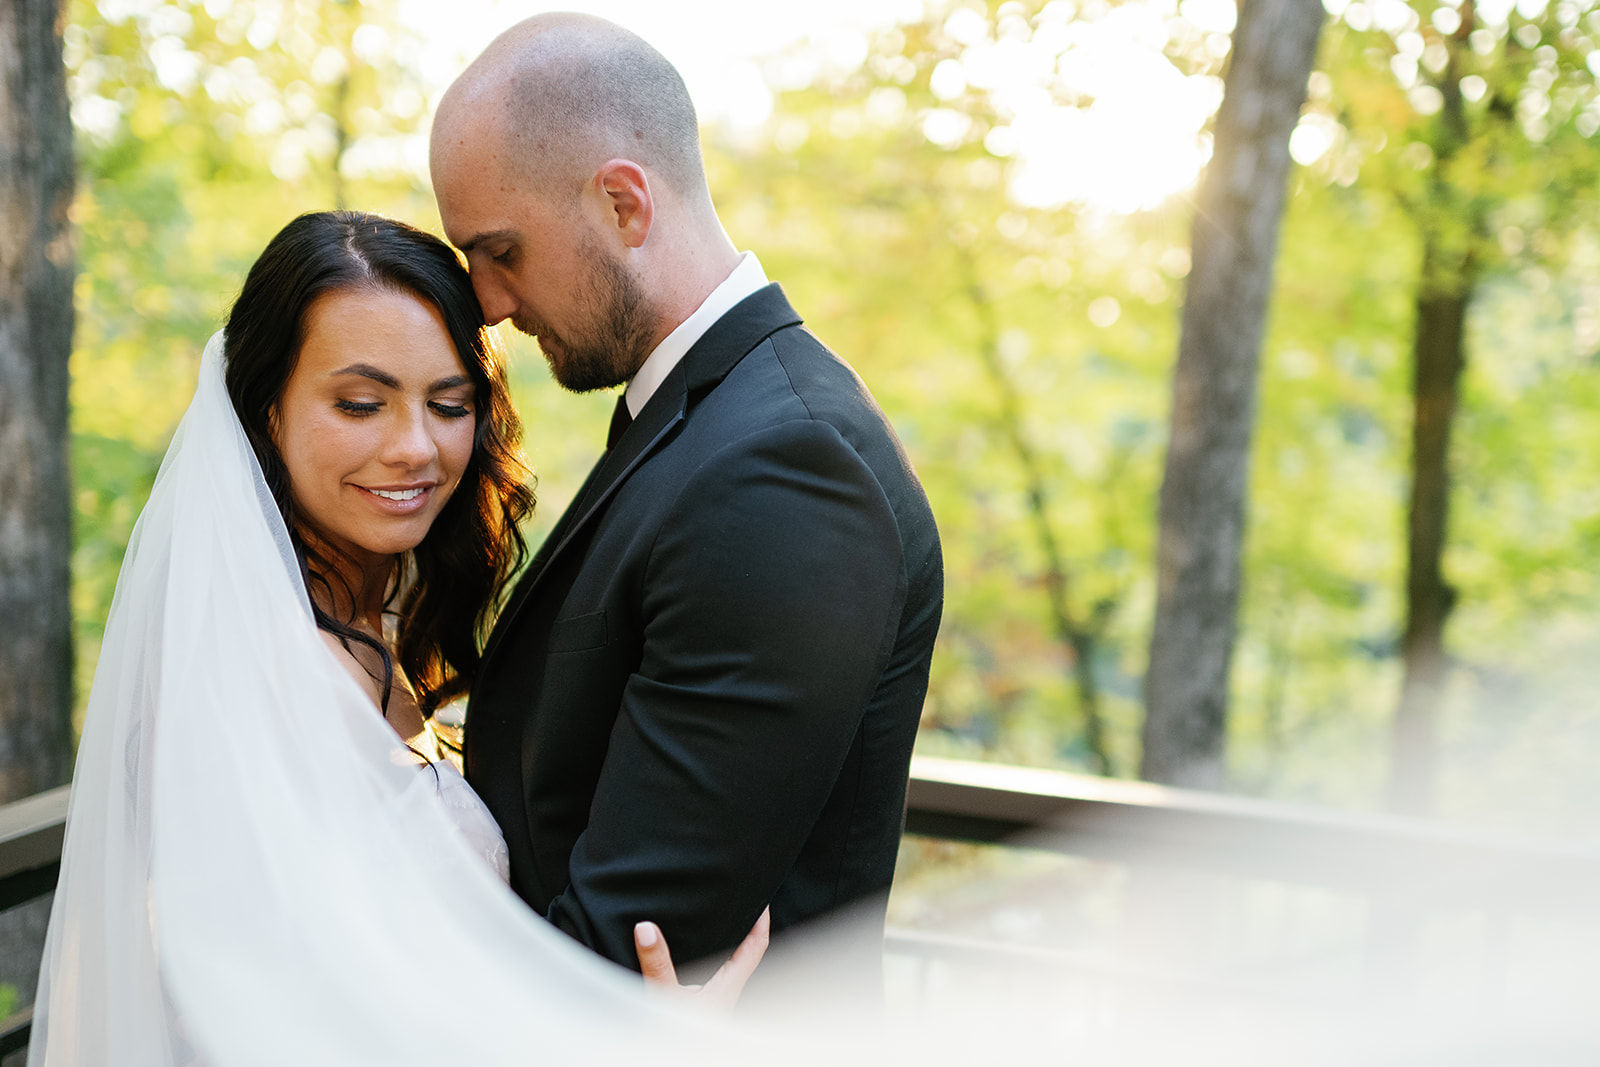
{"points": [[702, 696]]}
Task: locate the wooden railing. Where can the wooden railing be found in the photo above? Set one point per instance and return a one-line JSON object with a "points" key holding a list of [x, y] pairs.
{"points": [[1143, 824], [1135, 823], [1402, 872], [30, 861]]}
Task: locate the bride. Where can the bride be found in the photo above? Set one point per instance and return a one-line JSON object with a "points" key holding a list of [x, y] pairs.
{"points": [[265, 860]]}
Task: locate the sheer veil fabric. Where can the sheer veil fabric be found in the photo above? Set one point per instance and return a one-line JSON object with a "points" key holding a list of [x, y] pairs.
{"points": [[247, 878]]}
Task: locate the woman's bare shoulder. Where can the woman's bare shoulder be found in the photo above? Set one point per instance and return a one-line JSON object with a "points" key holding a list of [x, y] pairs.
{"points": [[371, 686], [401, 711]]}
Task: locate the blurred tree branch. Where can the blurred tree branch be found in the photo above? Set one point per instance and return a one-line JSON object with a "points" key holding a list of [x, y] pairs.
{"points": [[1079, 637]]}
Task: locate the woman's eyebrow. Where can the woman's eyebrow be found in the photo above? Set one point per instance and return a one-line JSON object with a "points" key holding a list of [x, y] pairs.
{"points": [[366, 370]]}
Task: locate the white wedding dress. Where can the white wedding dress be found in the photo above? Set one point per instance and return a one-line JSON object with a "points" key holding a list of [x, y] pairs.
{"points": [[467, 811], [256, 871]]}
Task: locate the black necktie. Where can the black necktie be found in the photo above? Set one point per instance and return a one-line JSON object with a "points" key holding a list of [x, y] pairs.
{"points": [[620, 419]]}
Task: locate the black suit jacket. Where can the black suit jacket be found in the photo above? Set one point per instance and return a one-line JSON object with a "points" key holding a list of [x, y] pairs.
{"points": [[702, 696]]}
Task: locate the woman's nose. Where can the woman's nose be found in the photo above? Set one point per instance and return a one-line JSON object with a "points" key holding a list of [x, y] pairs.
{"points": [[409, 443]]}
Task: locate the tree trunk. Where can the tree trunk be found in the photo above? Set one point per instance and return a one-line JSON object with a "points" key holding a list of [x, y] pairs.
{"points": [[1439, 359], [1235, 236], [36, 275], [1444, 292], [36, 269]]}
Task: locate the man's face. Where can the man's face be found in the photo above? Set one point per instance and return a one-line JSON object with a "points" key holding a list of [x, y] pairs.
{"points": [[545, 266]]}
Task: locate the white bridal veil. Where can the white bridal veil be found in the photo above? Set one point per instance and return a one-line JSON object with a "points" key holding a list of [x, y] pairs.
{"points": [[250, 875]]}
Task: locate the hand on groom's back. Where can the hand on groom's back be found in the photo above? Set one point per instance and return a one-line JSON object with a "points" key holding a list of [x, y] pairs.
{"points": [[721, 991]]}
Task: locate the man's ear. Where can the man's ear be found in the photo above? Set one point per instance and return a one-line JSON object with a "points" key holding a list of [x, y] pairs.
{"points": [[628, 199]]}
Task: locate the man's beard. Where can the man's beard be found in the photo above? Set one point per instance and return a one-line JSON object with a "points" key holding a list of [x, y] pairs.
{"points": [[614, 343]]}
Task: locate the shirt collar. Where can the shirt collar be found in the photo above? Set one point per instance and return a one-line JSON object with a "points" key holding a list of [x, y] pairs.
{"points": [[747, 278]]}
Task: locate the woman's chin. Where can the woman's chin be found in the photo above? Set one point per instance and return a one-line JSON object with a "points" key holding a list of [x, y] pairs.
{"points": [[372, 546], [398, 543]]}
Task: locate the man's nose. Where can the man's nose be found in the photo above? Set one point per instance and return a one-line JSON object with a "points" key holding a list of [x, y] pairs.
{"points": [[496, 302]]}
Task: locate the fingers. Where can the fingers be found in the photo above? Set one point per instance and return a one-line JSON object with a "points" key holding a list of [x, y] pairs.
{"points": [[727, 984], [655, 960], [754, 945], [719, 994]]}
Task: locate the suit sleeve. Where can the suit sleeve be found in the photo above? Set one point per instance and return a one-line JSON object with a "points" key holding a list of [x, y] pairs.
{"points": [[770, 605]]}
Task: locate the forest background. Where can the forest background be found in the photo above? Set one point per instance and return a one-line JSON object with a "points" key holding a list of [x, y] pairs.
{"points": [[1010, 285]]}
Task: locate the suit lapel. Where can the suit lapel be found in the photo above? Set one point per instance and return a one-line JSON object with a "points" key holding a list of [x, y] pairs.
{"points": [[536, 565], [702, 368], [654, 424], [647, 432]]}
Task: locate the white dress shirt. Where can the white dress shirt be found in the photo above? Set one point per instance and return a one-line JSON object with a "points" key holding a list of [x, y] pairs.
{"points": [[746, 278]]}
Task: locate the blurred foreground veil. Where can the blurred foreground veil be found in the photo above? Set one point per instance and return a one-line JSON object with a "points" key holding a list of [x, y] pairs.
{"points": [[255, 869]]}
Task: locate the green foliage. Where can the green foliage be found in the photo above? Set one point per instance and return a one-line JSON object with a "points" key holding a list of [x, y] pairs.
{"points": [[1502, 189]]}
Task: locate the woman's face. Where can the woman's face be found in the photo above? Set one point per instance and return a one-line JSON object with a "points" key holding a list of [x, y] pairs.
{"points": [[376, 421]]}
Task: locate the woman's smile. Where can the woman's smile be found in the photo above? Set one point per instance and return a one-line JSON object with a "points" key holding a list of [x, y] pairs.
{"points": [[397, 494], [396, 500]]}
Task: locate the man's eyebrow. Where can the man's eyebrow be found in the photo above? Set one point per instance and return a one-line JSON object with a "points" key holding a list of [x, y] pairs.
{"points": [[366, 370], [479, 238]]}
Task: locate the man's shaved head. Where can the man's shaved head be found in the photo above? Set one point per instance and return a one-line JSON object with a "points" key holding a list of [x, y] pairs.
{"points": [[563, 93], [566, 163]]}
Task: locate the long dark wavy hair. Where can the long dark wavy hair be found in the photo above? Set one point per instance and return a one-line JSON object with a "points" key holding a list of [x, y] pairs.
{"points": [[449, 585]]}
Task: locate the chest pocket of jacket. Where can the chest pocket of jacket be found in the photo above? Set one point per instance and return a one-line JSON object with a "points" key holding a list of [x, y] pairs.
{"points": [[578, 633]]}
